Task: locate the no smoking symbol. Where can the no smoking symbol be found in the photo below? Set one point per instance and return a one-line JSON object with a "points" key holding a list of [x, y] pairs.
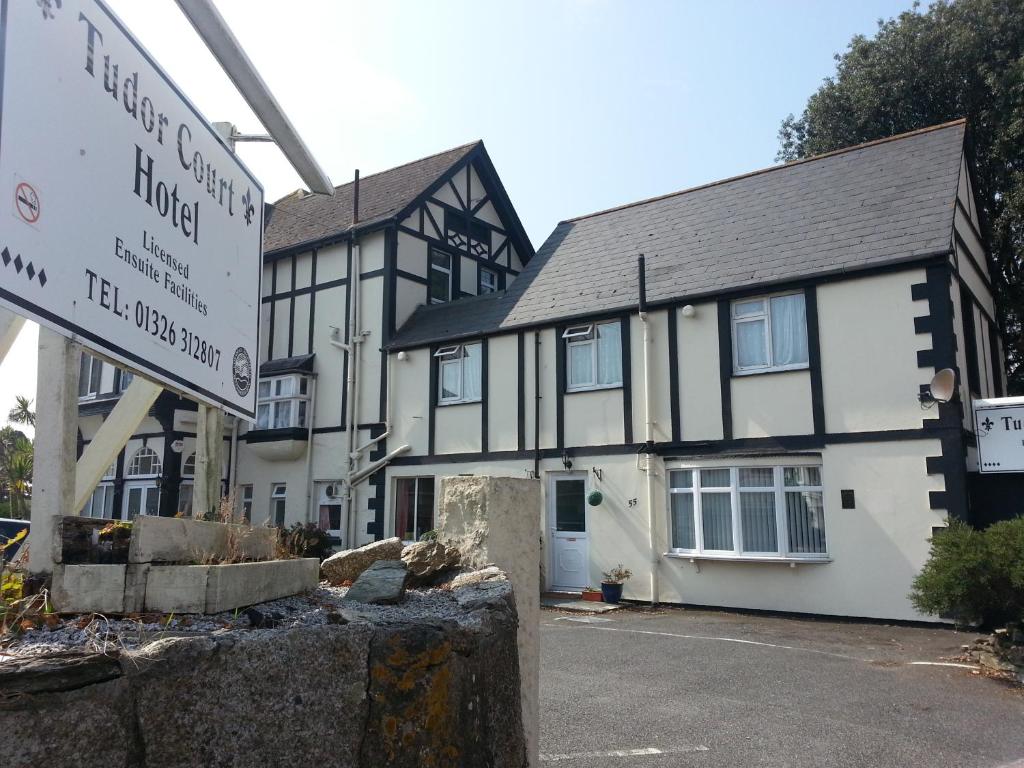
{"points": [[26, 200]]}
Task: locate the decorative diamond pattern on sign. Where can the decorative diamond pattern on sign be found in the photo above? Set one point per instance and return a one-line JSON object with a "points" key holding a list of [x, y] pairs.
{"points": [[23, 266]]}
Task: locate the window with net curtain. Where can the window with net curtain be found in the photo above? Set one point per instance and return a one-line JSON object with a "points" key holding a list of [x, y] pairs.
{"points": [[753, 511], [460, 373], [594, 356], [769, 333]]}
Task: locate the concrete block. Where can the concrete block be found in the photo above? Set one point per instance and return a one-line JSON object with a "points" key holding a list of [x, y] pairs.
{"points": [[177, 588], [135, 578], [183, 540], [233, 586], [88, 588]]}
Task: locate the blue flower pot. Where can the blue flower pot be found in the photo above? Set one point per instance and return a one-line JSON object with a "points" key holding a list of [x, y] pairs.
{"points": [[611, 593]]}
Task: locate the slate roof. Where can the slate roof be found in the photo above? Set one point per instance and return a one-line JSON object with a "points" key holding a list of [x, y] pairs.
{"points": [[298, 219], [886, 201]]}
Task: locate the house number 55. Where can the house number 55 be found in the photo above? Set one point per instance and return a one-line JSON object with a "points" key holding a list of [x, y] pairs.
{"points": [[632, 502]]}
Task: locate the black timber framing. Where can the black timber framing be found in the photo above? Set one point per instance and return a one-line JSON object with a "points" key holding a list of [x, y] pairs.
{"points": [[312, 300], [521, 391], [432, 405], [948, 426], [273, 311], [291, 310], [725, 364], [485, 395], [753, 446], [673, 374], [627, 380], [561, 351], [814, 359]]}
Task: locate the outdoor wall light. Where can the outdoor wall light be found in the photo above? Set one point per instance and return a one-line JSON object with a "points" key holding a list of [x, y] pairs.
{"points": [[689, 310], [566, 462], [403, 356]]}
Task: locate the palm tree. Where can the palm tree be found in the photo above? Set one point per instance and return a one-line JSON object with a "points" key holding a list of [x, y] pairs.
{"points": [[22, 412], [15, 468]]}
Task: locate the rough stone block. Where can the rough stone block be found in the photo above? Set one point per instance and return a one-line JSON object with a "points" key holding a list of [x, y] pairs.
{"points": [[182, 540], [347, 565], [383, 583], [233, 586], [136, 575], [177, 588], [88, 588]]}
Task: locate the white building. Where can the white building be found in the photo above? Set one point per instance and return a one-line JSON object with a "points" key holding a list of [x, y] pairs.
{"points": [[749, 409]]}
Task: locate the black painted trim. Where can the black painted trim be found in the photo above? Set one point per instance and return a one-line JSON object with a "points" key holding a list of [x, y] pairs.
{"points": [[273, 311], [411, 277], [485, 395], [561, 352], [291, 310], [814, 359], [521, 391], [312, 301], [432, 405], [272, 435], [997, 363], [725, 364], [627, 380], [673, 374], [970, 342], [312, 289]]}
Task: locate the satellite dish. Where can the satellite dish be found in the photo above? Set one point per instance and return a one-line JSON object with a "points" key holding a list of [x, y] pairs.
{"points": [[943, 385]]}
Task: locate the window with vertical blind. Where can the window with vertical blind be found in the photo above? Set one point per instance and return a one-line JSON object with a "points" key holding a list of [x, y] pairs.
{"points": [[748, 511]]}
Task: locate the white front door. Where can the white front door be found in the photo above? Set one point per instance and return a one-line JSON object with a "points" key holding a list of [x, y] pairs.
{"points": [[141, 499], [567, 517]]}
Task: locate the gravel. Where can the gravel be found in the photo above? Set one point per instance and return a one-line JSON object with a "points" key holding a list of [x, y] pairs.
{"points": [[324, 605]]}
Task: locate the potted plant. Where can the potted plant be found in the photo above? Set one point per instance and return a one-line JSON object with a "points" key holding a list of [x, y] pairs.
{"points": [[592, 595], [611, 585]]}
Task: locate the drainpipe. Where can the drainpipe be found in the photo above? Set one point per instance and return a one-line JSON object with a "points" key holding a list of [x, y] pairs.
{"points": [[648, 426], [309, 449]]}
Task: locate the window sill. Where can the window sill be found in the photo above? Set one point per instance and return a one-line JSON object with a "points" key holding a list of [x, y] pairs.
{"points": [[597, 388], [763, 371], [458, 402], [792, 562]]}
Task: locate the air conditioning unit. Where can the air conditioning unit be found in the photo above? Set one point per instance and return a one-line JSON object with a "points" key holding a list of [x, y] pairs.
{"points": [[334, 491]]}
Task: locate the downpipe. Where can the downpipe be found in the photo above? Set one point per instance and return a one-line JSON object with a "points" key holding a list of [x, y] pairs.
{"points": [[648, 431]]}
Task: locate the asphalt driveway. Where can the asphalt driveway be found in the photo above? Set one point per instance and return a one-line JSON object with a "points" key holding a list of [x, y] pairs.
{"points": [[701, 688]]}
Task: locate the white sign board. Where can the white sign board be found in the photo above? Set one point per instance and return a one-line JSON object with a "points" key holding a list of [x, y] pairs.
{"points": [[127, 224], [999, 425]]}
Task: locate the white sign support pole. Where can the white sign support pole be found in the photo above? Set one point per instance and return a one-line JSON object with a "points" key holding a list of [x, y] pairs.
{"points": [[112, 436], [53, 477], [10, 326]]}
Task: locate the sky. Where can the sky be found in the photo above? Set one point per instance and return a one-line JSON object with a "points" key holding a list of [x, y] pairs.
{"points": [[582, 104]]}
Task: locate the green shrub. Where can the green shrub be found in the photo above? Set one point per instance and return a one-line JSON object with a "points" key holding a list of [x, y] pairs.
{"points": [[430, 535], [307, 540], [974, 576]]}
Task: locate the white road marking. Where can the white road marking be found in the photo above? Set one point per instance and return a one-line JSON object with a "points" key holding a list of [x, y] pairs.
{"points": [[548, 757], [583, 619], [946, 664], [730, 640]]}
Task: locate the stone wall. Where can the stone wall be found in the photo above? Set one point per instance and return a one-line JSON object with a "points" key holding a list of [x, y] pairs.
{"points": [[495, 521], [399, 690]]}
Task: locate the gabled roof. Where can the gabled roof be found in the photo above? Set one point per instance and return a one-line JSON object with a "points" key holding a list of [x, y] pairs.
{"points": [[307, 219], [878, 203]]}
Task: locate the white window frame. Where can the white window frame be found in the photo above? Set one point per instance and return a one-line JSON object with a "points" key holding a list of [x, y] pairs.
{"points": [[245, 502], [278, 493], [88, 365], [766, 316], [447, 271], [586, 334], [125, 380], [270, 403], [482, 287], [779, 489], [131, 468], [455, 356], [94, 510]]}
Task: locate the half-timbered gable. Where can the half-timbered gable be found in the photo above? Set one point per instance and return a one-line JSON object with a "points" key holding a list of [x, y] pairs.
{"points": [[747, 402]]}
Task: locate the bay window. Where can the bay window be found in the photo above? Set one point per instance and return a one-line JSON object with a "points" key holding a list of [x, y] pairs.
{"points": [[282, 402], [593, 356], [459, 373], [748, 511], [769, 334]]}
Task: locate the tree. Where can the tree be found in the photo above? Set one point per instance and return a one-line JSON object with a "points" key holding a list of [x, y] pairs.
{"points": [[16, 469], [957, 59], [22, 412]]}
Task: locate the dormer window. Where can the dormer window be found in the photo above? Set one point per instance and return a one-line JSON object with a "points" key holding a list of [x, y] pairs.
{"points": [[440, 277], [459, 373], [282, 402], [593, 356]]}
